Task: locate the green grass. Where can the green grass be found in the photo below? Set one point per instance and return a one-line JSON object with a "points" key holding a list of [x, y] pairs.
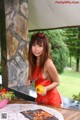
{"points": [[69, 83]]}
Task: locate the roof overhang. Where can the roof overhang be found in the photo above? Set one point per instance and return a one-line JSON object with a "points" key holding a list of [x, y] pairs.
{"points": [[50, 14]]}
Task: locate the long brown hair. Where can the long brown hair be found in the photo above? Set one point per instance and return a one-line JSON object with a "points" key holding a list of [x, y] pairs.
{"points": [[39, 38]]}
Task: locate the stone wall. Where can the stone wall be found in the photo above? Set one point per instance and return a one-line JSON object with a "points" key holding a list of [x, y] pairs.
{"points": [[16, 12]]}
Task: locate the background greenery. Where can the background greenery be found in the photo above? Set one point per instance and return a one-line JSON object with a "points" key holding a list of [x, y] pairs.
{"points": [[69, 83]]}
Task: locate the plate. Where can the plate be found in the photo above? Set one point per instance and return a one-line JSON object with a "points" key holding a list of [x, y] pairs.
{"points": [[15, 109]]}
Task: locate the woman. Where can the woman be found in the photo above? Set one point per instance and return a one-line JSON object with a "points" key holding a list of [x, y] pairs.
{"points": [[42, 71]]}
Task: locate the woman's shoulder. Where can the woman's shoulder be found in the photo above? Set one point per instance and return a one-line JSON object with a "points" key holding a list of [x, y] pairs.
{"points": [[49, 63]]}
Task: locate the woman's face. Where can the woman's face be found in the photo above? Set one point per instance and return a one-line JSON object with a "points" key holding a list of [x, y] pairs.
{"points": [[37, 49]]}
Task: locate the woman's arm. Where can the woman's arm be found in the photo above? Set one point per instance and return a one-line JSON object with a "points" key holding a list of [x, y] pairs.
{"points": [[51, 69]]}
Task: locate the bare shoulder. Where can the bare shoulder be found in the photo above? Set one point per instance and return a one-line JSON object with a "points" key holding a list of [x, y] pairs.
{"points": [[51, 69], [49, 63]]}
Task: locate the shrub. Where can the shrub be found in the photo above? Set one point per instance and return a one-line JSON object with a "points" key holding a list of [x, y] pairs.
{"points": [[76, 97]]}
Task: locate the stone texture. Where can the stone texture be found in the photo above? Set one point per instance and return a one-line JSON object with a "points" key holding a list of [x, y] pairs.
{"points": [[16, 13]]}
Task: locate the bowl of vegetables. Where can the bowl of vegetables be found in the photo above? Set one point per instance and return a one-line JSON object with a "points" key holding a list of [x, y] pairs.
{"points": [[5, 97]]}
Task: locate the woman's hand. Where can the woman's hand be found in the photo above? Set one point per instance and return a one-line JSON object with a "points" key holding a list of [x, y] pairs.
{"points": [[44, 92], [28, 82]]}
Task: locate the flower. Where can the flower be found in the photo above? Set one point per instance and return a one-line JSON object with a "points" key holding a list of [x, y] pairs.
{"points": [[6, 94], [41, 35]]}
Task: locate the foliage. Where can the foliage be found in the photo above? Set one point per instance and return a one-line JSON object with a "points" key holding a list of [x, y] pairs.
{"points": [[8, 95], [76, 97], [73, 43], [71, 39], [58, 50], [5, 94]]}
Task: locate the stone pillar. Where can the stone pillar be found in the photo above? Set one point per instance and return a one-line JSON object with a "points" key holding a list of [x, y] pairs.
{"points": [[3, 45], [16, 16]]}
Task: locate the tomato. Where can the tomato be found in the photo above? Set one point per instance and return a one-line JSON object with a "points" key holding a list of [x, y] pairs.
{"points": [[3, 90]]}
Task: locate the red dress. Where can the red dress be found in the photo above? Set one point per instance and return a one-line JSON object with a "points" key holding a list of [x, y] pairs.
{"points": [[52, 97]]}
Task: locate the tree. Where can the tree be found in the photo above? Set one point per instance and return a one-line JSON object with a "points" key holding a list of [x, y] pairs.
{"points": [[73, 43], [58, 50]]}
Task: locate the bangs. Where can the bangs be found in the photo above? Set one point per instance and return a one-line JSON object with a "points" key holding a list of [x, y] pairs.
{"points": [[38, 41], [38, 38]]}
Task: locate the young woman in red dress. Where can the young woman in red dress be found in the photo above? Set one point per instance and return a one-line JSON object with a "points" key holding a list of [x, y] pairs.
{"points": [[42, 71]]}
